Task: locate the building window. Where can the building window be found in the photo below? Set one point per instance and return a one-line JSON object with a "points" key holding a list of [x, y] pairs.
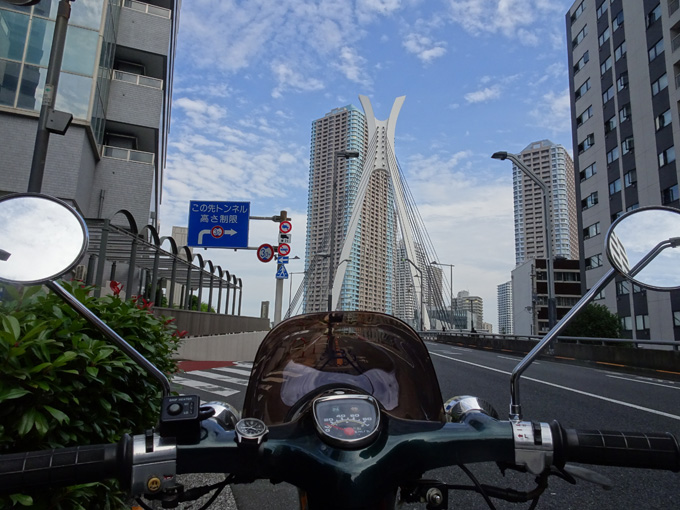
{"points": [[627, 323], [594, 261], [582, 89], [608, 94], [610, 125], [660, 84], [588, 172], [632, 207], [581, 62], [624, 113], [612, 155], [579, 10], [620, 51], [669, 194], [676, 318], [628, 145], [663, 120], [614, 187], [622, 82], [617, 21], [616, 216], [654, 15], [591, 231], [604, 36], [587, 113], [641, 322], [667, 156], [589, 201], [656, 50], [630, 178], [602, 8], [622, 288], [586, 144], [606, 65], [579, 37]]}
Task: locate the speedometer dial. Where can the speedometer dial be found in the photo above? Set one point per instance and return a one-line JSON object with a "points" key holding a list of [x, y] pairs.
{"points": [[347, 420]]}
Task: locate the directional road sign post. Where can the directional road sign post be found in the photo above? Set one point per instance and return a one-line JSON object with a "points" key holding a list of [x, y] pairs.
{"points": [[214, 224]]}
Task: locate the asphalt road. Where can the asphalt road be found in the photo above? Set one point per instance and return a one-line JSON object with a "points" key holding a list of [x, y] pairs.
{"points": [[576, 396]]}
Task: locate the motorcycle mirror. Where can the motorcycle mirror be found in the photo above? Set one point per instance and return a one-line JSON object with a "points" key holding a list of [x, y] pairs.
{"points": [[637, 246], [41, 238]]}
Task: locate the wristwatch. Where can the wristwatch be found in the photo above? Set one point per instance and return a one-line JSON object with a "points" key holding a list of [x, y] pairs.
{"points": [[251, 431]]}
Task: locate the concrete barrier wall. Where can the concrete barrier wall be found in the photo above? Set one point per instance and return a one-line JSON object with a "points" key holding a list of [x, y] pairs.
{"points": [[205, 323], [234, 347], [653, 359]]}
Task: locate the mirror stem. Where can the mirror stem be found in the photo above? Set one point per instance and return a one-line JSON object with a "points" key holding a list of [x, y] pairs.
{"points": [[111, 335], [515, 406]]}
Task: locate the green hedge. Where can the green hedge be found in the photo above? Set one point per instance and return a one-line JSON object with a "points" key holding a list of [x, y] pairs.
{"points": [[62, 383]]}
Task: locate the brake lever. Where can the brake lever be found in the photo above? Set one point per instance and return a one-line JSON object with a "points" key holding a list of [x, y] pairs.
{"points": [[588, 475]]}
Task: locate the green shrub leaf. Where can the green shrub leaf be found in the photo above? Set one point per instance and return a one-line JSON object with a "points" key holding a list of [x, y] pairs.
{"points": [[58, 415], [11, 393], [22, 499]]}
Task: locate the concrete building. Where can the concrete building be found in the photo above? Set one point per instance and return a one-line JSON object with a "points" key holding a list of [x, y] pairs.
{"points": [[624, 68], [505, 308], [474, 305], [530, 293], [552, 164], [116, 80]]}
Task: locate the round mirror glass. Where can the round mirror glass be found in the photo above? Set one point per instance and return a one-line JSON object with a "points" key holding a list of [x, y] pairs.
{"points": [[653, 232], [40, 238]]}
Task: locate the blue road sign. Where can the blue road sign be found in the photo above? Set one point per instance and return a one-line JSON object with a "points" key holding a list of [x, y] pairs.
{"points": [[282, 260], [281, 273], [214, 224]]}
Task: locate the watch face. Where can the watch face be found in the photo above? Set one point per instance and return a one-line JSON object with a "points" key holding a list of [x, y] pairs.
{"points": [[251, 428]]}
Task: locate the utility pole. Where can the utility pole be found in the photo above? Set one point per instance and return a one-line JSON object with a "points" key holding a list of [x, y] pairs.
{"points": [[50, 120]]}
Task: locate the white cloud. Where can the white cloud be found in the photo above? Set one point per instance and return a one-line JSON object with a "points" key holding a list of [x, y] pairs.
{"points": [[288, 78], [352, 66], [553, 112], [423, 47], [484, 95]]}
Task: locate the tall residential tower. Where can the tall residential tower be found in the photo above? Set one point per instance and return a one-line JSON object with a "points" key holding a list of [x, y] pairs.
{"points": [[624, 69]]}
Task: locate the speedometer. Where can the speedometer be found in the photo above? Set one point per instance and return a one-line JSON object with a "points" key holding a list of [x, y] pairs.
{"points": [[347, 420]]}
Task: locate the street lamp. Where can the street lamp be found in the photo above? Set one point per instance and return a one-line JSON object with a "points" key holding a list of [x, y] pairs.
{"points": [[421, 291], [451, 266], [331, 247], [552, 309]]}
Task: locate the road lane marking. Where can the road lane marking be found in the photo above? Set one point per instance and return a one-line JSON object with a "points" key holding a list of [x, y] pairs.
{"points": [[208, 388], [234, 371], [587, 394], [220, 377], [644, 382], [517, 359]]}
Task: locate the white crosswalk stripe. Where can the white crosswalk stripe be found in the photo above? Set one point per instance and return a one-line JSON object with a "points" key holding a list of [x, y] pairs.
{"points": [[203, 386]]}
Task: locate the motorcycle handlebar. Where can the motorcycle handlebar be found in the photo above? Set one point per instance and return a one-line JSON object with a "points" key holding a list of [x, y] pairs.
{"points": [[66, 466], [612, 448], [449, 445]]}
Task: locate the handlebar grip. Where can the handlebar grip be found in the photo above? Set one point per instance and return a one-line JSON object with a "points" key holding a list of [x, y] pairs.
{"points": [[66, 466], [610, 448]]}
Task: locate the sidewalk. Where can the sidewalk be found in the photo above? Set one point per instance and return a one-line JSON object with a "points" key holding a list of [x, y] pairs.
{"points": [[189, 366]]}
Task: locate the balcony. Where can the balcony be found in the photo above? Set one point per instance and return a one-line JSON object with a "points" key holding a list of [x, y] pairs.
{"points": [[147, 8], [138, 79], [128, 155]]}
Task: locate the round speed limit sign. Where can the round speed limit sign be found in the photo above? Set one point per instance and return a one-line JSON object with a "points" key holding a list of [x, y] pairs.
{"points": [[265, 252]]}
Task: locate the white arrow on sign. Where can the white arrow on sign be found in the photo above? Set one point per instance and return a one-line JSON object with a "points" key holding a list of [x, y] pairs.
{"points": [[229, 232]]}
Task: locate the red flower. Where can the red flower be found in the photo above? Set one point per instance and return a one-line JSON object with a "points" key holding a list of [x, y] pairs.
{"points": [[116, 287]]}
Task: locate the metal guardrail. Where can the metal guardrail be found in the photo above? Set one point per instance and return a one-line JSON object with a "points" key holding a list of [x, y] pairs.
{"points": [[533, 338]]}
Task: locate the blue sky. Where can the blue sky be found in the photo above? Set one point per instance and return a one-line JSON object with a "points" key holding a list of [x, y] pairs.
{"points": [[479, 76]]}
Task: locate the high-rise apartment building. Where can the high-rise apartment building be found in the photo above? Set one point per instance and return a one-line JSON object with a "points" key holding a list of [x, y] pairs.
{"points": [[624, 77], [368, 276], [504, 291], [553, 165], [116, 80], [474, 305]]}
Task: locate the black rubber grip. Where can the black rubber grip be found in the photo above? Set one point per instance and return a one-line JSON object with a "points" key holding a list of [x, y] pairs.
{"points": [[66, 466], [623, 449]]}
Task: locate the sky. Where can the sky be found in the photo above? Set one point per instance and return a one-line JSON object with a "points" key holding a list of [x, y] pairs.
{"points": [[479, 76]]}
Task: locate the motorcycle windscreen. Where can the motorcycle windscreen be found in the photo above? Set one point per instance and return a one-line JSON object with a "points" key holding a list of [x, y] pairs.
{"points": [[367, 351]]}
